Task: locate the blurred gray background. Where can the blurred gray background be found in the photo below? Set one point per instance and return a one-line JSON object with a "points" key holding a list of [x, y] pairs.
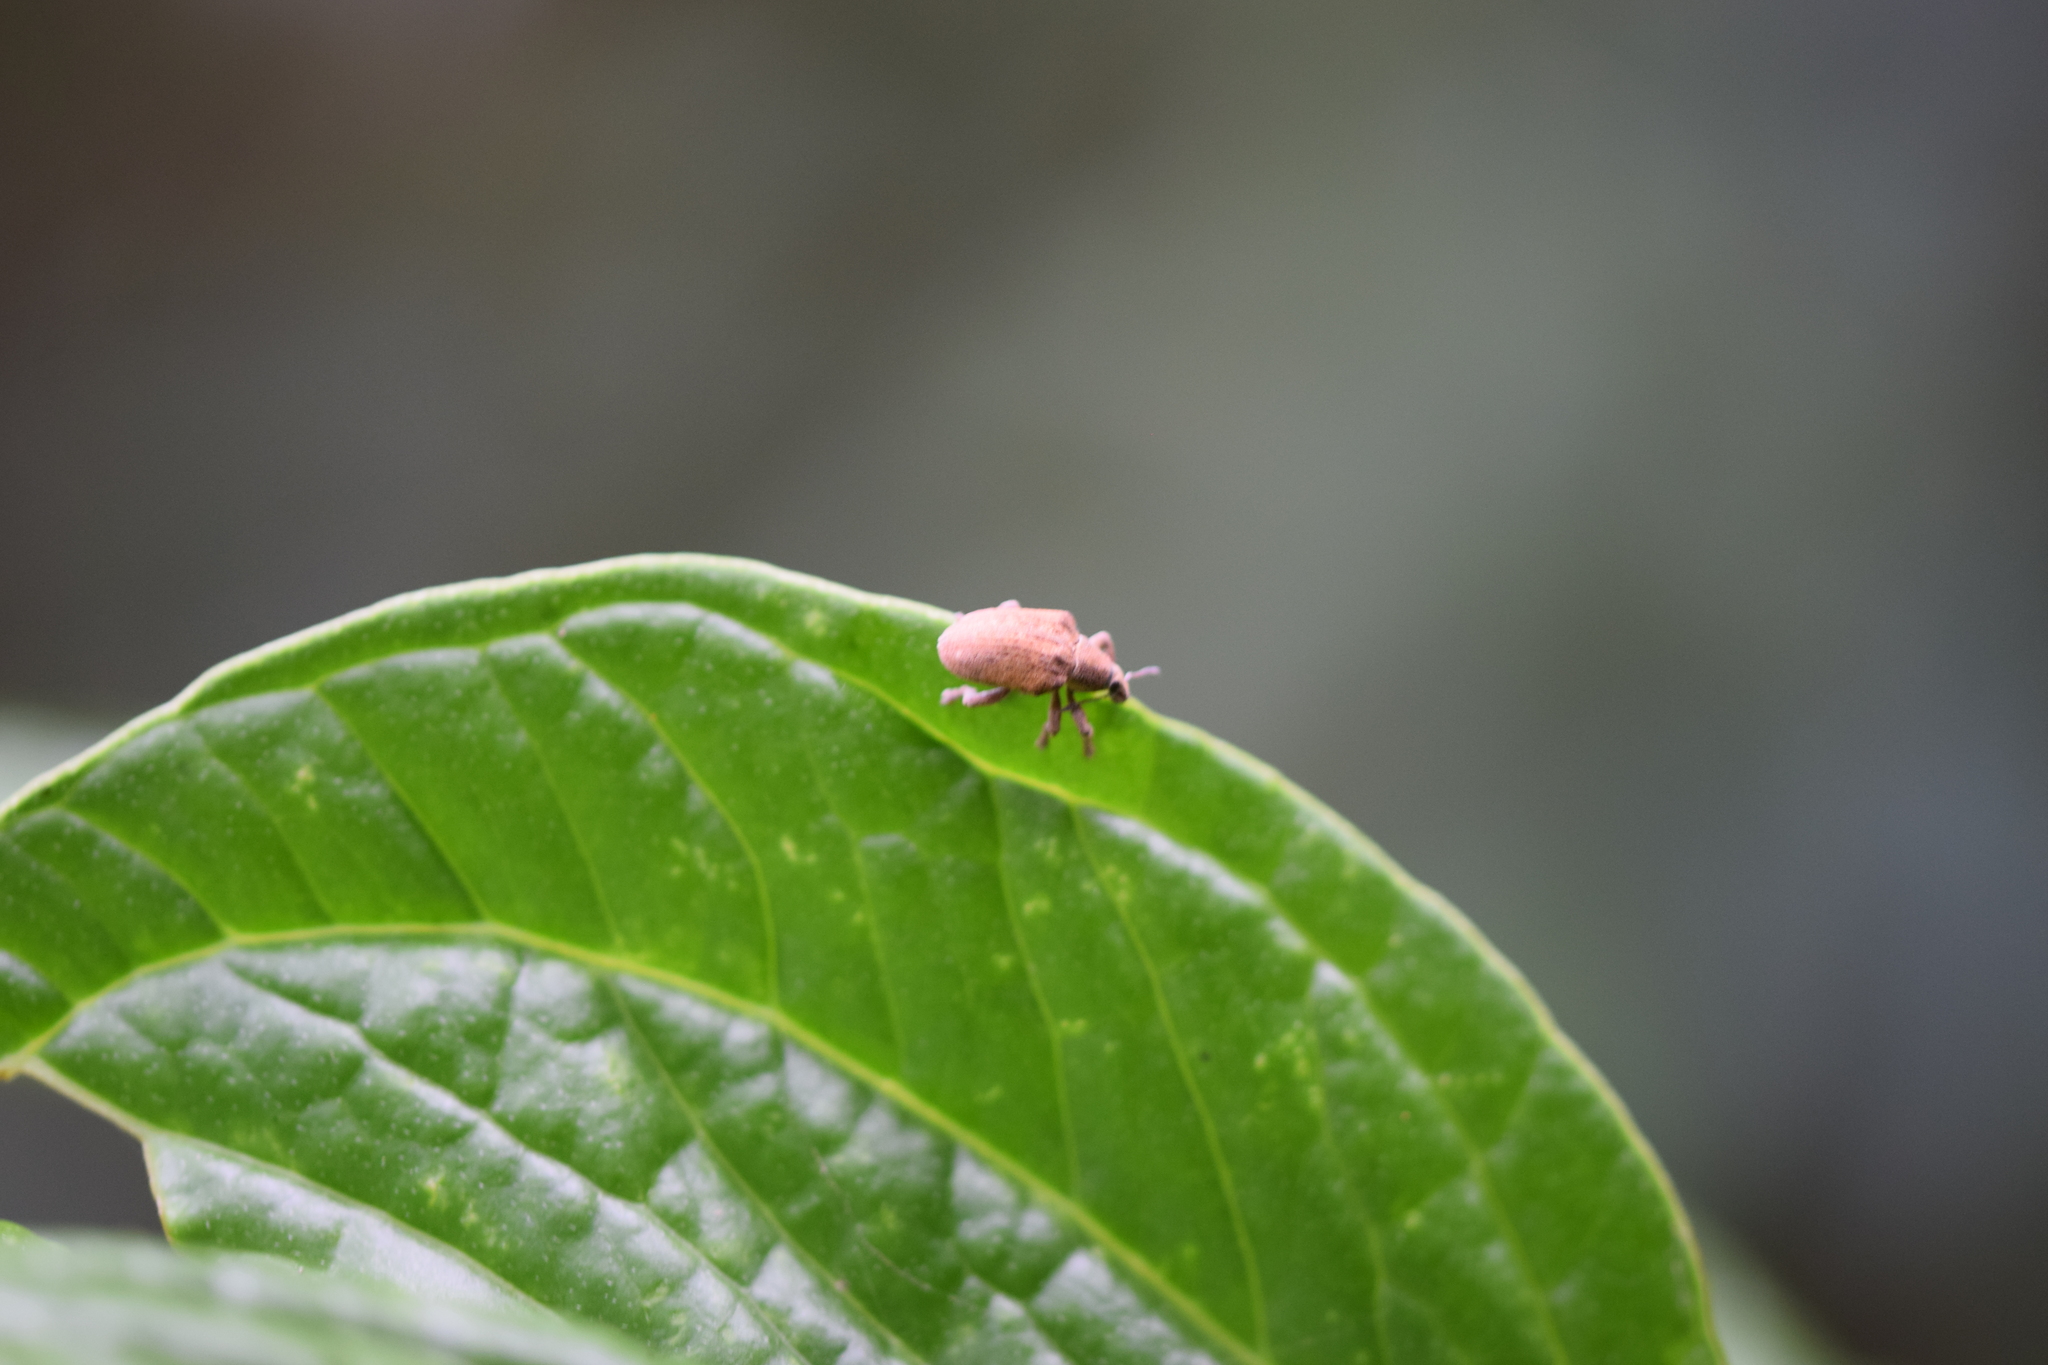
{"points": [[1597, 447]]}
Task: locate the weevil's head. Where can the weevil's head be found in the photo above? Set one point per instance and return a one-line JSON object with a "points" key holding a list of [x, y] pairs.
{"points": [[1095, 668]]}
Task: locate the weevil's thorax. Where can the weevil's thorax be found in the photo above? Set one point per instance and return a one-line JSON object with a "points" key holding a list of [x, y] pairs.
{"points": [[1026, 649]]}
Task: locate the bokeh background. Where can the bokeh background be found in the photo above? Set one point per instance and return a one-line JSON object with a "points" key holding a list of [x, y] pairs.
{"points": [[1601, 448]]}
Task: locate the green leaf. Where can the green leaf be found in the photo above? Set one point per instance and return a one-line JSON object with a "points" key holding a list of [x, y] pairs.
{"points": [[644, 940], [113, 1302]]}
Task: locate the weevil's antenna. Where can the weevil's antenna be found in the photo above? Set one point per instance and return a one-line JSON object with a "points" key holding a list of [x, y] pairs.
{"points": [[1120, 685]]}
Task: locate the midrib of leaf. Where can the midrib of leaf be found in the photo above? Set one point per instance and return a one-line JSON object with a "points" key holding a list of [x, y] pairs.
{"points": [[64, 1085], [888, 1086], [489, 928]]}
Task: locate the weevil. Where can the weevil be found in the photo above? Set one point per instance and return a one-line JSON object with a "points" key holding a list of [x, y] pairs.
{"points": [[1035, 650]]}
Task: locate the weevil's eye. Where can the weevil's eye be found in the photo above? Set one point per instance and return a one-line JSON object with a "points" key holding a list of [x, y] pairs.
{"points": [[1118, 692]]}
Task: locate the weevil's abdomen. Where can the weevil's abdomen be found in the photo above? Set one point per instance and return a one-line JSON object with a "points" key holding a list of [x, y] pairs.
{"points": [[1026, 649]]}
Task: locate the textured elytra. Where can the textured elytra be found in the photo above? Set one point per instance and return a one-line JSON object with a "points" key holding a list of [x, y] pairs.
{"points": [[539, 903], [1026, 649]]}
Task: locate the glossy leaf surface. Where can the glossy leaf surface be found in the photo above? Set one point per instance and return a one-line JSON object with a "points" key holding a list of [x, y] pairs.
{"points": [[129, 1302], [645, 941]]}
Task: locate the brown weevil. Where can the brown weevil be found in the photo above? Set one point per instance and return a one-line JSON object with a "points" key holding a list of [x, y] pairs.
{"points": [[1035, 650]]}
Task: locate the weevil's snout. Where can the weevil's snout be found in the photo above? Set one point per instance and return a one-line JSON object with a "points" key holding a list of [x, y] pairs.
{"points": [[1124, 680], [1120, 685]]}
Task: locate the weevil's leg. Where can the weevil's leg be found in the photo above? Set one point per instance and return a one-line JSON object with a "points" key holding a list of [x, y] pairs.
{"points": [[1087, 730], [1100, 639], [1052, 721], [967, 696]]}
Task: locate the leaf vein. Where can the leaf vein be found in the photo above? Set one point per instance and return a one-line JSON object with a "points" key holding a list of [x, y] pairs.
{"points": [[476, 901], [1246, 1252], [1061, 1096], [269, 816], [770, 948], [483, 1117], [1482, 1176], [547, 773], [908, 1099], [228, 934], [766, 1210], [869, 920]]}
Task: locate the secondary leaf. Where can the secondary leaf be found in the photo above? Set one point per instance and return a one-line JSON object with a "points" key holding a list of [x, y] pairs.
{"points": [[644, 940], [14, 1234], [126, 1302]]}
